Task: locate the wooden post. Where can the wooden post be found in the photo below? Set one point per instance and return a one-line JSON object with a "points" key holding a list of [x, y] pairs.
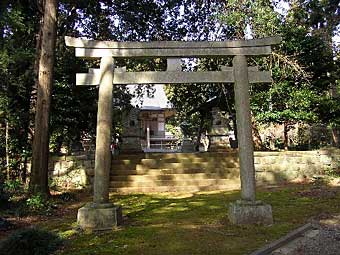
{"points": [[244, 131], [103, 138]]}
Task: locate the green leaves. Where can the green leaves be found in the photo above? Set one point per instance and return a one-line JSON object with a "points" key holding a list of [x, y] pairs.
{"points": [[302, 67], [285, 101], [255, 18]]}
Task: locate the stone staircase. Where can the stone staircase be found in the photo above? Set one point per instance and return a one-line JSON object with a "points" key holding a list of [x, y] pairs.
{"points": [[174, 172]]}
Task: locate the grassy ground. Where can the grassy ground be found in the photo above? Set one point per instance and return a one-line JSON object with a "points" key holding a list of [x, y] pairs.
{"points": [[194, 223]]}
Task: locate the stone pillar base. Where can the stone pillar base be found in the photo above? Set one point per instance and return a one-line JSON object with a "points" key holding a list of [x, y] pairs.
{"points": [[131, 145], [99, 216], [219, 143], [187, 145], [247, 212]]}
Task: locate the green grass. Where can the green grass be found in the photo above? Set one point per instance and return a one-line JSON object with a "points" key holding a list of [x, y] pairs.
{"points": [[193, 224]]}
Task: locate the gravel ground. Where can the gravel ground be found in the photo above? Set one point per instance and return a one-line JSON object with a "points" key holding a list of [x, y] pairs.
{"points": [[324, 239], [327, 242]]}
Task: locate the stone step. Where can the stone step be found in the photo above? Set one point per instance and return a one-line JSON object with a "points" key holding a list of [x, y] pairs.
{"points": [[162, 171], [172, 183], [180, 172], [176, 177], [177, 165], [148, 161], [176, 155], [194, 188], [191, 159]]}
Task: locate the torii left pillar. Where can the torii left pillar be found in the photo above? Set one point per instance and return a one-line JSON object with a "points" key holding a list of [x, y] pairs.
{"points": [[101, 214]]}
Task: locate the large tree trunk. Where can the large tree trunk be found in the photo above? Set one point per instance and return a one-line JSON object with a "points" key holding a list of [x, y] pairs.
{"points": [[39, 173], [33, 99], [7, 150]]}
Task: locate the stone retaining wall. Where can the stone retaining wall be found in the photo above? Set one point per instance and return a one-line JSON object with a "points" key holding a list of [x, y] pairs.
{"points": [[72, 171], [271, 167]]}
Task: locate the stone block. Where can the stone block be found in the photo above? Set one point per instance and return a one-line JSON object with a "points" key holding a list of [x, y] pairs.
{"points": [[264, 168], [297, 160], [257, 160], [83, 177], [250, 212], [187, 146], [57, 166], [54, 168], [99, 216], [325, 160], [265, 177], [325, 152], [65, 165], [131, 144]]}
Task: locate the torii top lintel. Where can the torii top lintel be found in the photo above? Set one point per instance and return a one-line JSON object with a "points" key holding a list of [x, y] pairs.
{"points": [[97, 49]]}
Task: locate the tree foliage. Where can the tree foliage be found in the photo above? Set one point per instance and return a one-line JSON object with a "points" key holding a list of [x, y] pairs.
{"points": [[17, 53], [73, 109], [304, 69]]}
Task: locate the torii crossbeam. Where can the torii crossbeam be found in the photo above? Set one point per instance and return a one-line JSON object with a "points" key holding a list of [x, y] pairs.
{"points": [[101, 214]]}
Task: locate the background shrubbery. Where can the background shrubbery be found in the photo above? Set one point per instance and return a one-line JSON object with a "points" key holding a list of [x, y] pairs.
{"points": [[30, 241]]}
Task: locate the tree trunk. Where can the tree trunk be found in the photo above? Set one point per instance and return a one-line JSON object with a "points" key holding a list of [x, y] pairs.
{"points": [[335, 134], [258, 145], [40, 153], [24, 170], [7, 151], [285, 136], [335, 137], [33, 99]]}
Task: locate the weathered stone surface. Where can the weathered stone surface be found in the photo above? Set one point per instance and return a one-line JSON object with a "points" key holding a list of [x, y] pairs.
{"points": [[173, 77], [244, 129], [195, 52], [173, 64], [131, 144], [219, 134], [91, 48], [99, 216], [244, 212], [132, 133], [84, 43], [187, 145], [266, 173], [103, 137]]}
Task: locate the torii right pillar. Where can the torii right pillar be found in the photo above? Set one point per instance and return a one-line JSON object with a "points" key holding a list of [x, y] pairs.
{"points": [[247, 210]]}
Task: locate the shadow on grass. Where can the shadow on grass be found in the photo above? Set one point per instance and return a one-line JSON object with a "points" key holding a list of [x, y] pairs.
{"points": [[196, 223]]}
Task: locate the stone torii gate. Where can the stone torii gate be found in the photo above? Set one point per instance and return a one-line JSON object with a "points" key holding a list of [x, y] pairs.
{"points": [[101, 214]]}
